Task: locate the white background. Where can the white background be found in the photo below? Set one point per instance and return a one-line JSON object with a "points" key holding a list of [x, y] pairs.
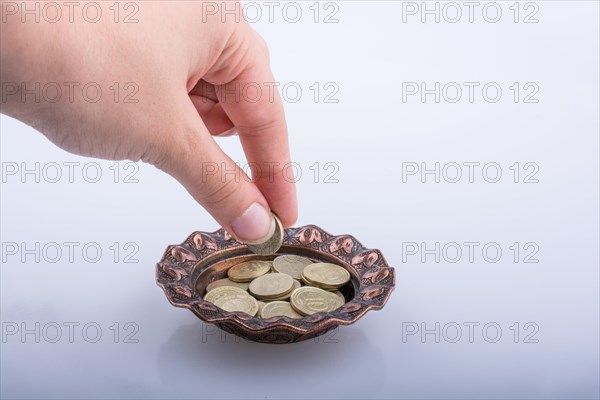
{"points": [[370, 135]]}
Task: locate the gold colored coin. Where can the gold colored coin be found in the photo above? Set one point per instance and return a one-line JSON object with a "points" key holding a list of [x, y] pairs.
{"points": [[308, 281], [308, 300], [226, 282], [291, 265], [247, 271], [339, 300], [238, 302], [279, 308], [223, 291], [319, 285], [287, 295], [272, 244], [326, 274], [271, 285]]}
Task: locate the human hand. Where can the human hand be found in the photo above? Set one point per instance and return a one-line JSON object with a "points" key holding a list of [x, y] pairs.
{"points": [[187, 70]]}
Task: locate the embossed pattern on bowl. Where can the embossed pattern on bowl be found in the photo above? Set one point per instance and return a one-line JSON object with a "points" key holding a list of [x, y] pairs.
{"points": [[186, 269]]}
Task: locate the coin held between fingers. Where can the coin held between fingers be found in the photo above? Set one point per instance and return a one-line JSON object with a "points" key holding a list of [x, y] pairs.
{"points": [[255, 225], [272, 244]]}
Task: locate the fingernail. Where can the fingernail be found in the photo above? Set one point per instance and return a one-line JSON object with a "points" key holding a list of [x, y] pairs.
{"points": [[255, 225]]}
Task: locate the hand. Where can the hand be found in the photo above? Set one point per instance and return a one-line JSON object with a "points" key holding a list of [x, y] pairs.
{"points": [[188, 70]]}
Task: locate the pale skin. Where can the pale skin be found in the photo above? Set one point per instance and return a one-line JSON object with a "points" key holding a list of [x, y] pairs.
{"points": [[183, 65]]}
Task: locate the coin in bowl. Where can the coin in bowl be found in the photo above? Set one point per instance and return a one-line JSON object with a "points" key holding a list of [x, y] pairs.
{"points": [[287, 295], [308, 300], [226, 282], [231, 298], [249, 270], [278, 309], [291, 265], [246, 304], [325, 275], [270, 286]]}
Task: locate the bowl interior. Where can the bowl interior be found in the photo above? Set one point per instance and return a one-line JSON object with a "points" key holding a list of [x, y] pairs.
{"points": [[215, 266]]}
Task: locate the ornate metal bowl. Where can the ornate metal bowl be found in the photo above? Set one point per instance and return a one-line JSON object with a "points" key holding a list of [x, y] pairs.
{"points": [[187, 268]]}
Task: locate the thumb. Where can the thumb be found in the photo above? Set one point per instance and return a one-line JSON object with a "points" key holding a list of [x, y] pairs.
{"points": [[191, 155]]}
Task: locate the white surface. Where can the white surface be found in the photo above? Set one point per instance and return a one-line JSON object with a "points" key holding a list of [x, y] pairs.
{"points": [[368, 134]]}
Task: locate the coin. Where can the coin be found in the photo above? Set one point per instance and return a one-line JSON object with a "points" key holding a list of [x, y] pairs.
{"points": [[340, 295], [328, 275], [286, 295], [279, 308], [319, 285], [271, 285], [308, 282], [339, 300], [291, 265], [248, 270], [238, 302], [226, 282], [272, 244], [252, 286], [223, 291], [308, 300]]}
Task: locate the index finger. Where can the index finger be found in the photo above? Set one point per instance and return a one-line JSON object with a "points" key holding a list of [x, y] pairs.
{"points": [[254, 106]]}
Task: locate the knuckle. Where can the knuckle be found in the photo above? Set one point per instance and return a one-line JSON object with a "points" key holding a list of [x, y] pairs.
{"points": [[223, 192], [263, 129]]}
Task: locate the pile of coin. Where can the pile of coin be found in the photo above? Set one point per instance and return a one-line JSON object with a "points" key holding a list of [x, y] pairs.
{"points": [[290, 285]]}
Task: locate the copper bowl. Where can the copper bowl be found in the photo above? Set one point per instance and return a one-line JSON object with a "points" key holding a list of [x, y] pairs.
{"points": [[187, 268]]}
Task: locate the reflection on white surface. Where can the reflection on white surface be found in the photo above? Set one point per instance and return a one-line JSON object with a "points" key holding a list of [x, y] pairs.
{"points": [[369, 135]]}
